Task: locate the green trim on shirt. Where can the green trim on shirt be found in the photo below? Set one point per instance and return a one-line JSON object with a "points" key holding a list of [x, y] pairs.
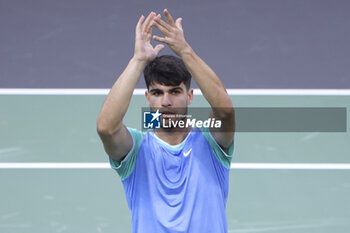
{"points": [[223, 157], [126, 166]]}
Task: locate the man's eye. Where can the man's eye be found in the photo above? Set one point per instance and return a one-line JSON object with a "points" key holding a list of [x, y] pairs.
{"points": [[175, 92]]}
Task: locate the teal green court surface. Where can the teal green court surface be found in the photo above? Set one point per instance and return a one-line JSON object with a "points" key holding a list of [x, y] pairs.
{"points": [[52, 129]]}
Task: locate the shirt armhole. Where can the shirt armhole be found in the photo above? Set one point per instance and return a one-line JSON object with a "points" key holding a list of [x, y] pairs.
{"points": [[223, 157], [127, 165]]}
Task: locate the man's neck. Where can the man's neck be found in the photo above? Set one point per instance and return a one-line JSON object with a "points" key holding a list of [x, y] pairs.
{"points": [[172, 136]]}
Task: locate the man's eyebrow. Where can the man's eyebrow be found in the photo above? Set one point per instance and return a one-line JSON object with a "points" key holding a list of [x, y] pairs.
{"points": [[155, 90], [175, 89]]}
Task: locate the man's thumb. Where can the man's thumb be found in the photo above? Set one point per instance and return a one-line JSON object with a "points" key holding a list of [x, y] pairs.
{"points": [[158, 48], [178, 23]]}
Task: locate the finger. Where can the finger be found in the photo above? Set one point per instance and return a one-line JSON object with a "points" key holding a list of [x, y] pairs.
{"points": [[160, 39], [161, 28], [148, 29], [162, 23], [154, 21], [139, 23], [148, 22], [178, 23], [158, 48], [157, 17], [168, 17]]}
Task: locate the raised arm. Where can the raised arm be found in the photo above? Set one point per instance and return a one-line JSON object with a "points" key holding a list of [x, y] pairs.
{"points": [[209, 83], [116, 138]]}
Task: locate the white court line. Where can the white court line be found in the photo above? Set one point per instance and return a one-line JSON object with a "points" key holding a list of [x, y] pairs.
{"points": [[54, 165], [298, 166], [263, 166], [40, 91]]}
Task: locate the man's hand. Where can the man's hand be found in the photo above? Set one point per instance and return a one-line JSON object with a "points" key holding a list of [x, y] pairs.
{"points": [[144, 51], [173, 32]]}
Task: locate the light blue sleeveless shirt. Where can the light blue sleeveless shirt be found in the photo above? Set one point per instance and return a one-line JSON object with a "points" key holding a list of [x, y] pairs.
{"points": [[175, 189]]}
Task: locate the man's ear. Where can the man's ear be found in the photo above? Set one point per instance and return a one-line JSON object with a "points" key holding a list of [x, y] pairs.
{"points": [[190, 96], [147, 97]]}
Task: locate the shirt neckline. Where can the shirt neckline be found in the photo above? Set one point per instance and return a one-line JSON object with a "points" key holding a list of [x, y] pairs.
{"points": [[171, 147]]}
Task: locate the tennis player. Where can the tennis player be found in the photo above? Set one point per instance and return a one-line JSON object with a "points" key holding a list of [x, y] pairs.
{"points": [[176, 179]]}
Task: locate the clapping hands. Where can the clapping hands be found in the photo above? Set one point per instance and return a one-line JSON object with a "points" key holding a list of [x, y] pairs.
{"points": [[173, 36]]}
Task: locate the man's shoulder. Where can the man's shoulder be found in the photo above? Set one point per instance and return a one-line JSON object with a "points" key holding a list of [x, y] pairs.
{"points": [[137, 136], [136, 132]]}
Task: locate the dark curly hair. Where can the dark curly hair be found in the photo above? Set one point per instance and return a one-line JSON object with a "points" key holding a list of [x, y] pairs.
{"points": [[167, 70]]}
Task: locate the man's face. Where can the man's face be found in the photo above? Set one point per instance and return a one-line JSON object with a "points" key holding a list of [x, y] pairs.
{"points": [[169, 99]]}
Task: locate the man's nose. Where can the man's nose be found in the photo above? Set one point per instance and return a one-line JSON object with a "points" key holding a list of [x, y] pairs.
{"points": [[166, 101]]}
